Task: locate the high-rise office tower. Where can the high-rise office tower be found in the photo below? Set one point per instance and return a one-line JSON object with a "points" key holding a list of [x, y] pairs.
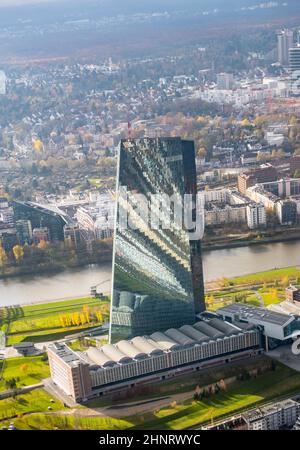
{"points": [[2, 83], [157, 265], [285, 42], [294, 69]]}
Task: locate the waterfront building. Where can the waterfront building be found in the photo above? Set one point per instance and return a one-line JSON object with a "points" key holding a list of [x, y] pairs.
{"points": [[225, 206], [148, 359], [277, 328], [42, 216], [157, 272], [72, 234], [24, 230], [97, 218], [40, 234], [282, 197]]}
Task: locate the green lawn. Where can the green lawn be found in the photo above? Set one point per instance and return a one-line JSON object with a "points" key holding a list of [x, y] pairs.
{"points": [[42, 322], [32, 402], [26, 370], [50, 422], [268, 276], [239, 396]]}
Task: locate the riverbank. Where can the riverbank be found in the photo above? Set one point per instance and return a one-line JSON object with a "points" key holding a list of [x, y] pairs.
{"points": [[224, 244], [52, 321]]}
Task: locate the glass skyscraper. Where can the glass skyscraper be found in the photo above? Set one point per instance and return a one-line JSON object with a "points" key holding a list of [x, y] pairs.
{"points": [[157, 271]]}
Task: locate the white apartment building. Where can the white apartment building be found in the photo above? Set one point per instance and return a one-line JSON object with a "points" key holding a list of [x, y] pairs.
{"points": [[224, 206], [273, 417], [256, 215], [98, 217], [2, 83]]}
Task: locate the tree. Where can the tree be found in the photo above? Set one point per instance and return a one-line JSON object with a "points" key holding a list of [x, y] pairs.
{"points": [[3, 258], [11, 383], [222, 385], [18, 252], [285, 281], [24, 368], [42, 245]]}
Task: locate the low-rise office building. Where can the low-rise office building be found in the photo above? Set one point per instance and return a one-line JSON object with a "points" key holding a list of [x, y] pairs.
{"points": [[276, 327], [145, 359]]}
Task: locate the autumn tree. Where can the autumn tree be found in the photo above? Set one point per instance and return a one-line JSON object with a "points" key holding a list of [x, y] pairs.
{"points": [[18, 252], [3, 258]]}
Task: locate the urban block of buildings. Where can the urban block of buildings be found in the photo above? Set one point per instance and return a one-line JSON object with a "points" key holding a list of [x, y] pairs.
{"points": [[282, 197], [225, 206]]}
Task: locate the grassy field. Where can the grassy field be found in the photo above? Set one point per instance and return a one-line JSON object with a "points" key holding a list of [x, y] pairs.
{"points": [[190, 414], [266, 277], [45, 322], [270, 285], [32, 402], [26, 371]]}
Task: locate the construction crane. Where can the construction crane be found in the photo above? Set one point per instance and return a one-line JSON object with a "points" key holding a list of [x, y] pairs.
{"points": [[95, 293]]}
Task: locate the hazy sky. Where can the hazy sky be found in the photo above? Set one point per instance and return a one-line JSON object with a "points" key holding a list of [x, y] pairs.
{"points": [[23, 2]]}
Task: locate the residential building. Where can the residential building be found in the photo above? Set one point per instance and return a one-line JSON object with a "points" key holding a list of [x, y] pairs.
{"points": [[72, 234], [265, 173], [2, 83], [24, 230], [281, 415], [97, 218], [295, 165], [225, 81], [225, 206], [292, 293], [256, 216], [294, 69], [40, 234], [282, 197]]}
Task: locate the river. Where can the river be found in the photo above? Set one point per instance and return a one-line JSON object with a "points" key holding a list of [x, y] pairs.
{"points": [[217, 263]]}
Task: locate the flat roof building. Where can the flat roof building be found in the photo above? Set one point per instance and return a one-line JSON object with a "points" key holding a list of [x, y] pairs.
{"points": [[273, 325], [142, 359]]}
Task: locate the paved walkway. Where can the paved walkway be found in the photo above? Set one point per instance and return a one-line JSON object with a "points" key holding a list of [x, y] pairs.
{"points": [[261, 300], [132, 409], [20, 391]]}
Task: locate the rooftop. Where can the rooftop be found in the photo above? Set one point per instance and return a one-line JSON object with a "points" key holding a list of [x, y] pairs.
{"points": [[246, 312], [66, 354], [142, 347]]}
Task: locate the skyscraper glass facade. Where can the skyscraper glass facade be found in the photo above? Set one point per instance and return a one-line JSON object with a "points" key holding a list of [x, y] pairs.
{"points": [[153, 285]]}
